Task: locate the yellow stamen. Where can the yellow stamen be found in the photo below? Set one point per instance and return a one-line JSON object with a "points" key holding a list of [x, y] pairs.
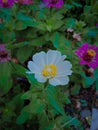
{"points": [[49, 71], [91, 52], [4, 1]]}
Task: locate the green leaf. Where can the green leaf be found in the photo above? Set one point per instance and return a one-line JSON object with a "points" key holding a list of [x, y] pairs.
{"points": [[68, 6], [36, 106], [18, 69], [6, 11], [37, 41], [96, 73], [24, 53], [75, 90], [26, 95], [23, 117], [35, 85], [52, 99], [50, 126], [23, 17], [57, 24], [92, 33], [67, 100], [19, 45], [76, 4], [20, 25], [32, 79], [97, 84], [44, 123], [55, 39], [5, 78], [70, 22], [89, 80], [49, 28], [67, 42]]}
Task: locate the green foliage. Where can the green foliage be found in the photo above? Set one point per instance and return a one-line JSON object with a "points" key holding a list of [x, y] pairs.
{"points": [[5, 78], [51, 97], [27, 29]]}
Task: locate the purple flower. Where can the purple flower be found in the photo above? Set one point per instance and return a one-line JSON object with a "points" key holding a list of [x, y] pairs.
{"points": [[54, 3], [88, 55], [4, 54], [6, 3], [27, 2], [96, 24]]}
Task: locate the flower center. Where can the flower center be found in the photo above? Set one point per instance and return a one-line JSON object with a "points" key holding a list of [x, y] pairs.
{"points": [[91, 53], [3, 54], [49, 71], [5, 1]]}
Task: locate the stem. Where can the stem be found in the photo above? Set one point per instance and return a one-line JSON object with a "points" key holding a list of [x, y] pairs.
{"points": [[46, 83], [68, 35]]}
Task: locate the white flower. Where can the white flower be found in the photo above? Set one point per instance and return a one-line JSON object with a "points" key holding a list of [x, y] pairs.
{"points": [[50, 66]]}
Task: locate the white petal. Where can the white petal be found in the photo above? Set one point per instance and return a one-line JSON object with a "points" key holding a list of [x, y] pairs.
{"points": [[40, 78], [64, 68], [63, 57], [54, 82], [53, 56], [40, 59], [59, 81], [33, 67]]}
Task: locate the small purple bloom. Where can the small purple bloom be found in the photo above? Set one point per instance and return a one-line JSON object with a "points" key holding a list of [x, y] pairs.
{"points": [[6, 3], [88, 55], [26, 2], [54, 3], [4, 54], [96, 24]]}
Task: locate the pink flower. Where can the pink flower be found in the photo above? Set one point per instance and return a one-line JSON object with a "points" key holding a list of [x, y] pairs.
{"points": [[88, 55], [4, 54], [27, 2], [6, 3], [77, 37], [70, 30], [54, 3]]}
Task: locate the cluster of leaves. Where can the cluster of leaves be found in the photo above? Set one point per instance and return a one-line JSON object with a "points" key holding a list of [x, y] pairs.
{"points": [[27, 29]]}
